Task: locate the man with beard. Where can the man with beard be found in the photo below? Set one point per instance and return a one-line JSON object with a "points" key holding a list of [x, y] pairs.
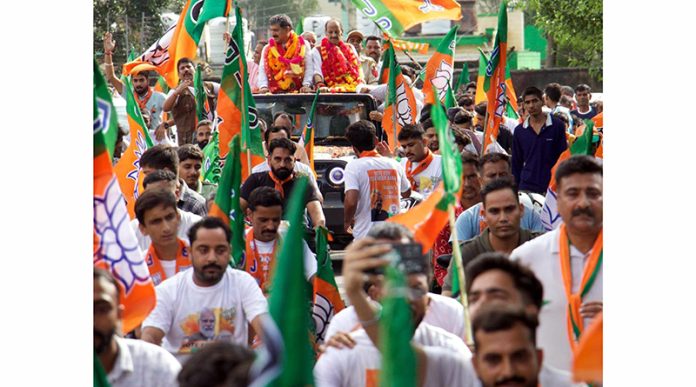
{"points": [[262, 239], [373, 49], [423, 168], [147, 98], [336, 64], [204, 131], [282, 177], [212, 285], [284, 120], [127, 362], [568, 260], [181, 101], [286, 61]]}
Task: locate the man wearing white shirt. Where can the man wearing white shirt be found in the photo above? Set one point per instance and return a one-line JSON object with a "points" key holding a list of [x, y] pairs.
{"points": [[282, 38], [127, 362], [212, 285], [568, 260], [423, 168]]}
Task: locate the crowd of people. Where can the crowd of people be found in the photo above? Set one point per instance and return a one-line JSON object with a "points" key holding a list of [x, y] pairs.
{"points": [[531, 291]]}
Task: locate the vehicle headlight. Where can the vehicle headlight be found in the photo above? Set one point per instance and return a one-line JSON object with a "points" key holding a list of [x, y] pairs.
{"points": [[336, 176]]}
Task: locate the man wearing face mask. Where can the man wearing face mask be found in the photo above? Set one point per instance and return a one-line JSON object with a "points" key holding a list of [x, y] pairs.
{"points": [[282, 177], [127, 362], [336, 63]]}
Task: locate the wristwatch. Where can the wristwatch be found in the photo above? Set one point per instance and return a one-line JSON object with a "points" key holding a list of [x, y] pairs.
{"points": [[166, 125]]}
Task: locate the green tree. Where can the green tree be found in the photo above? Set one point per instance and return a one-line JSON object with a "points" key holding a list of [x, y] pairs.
{"points": [[258, 12], [575, 31]]}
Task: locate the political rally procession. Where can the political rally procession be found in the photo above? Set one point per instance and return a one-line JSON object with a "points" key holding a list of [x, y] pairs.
{"points": [[348, 193]]}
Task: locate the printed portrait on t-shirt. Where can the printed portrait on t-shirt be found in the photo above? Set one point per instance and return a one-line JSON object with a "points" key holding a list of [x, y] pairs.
{"points": [[426, 184], [384, 194], [208, 325]]}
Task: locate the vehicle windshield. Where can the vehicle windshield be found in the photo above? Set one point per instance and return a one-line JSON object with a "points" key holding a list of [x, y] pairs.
{"points": [[331, 120]]}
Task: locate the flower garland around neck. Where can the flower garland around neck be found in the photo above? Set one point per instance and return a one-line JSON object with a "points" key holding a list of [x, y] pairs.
{"points": [[340, 66], [285, 67]]}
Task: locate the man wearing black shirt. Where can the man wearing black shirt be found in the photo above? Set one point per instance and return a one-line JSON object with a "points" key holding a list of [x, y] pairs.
{"points": [[282, 178]]}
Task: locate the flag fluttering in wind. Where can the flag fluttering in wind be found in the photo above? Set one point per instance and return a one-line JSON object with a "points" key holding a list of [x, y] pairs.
{"points": [[127, 168], [210, 170], [115, 245], [588, 358], [396, 331], [494, 84], [202, 106], [550, 218], [450, 100], [227, 206], [400, 106], [396, 16], [406, 45], [287, 358], [307, 138], [440, 68], [327, 300], [105, 116], [480, 78], [179, 41], [463, 77], [234, 98]]}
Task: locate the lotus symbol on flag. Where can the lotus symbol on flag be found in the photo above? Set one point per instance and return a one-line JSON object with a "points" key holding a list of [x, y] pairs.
{"points": [[403, 110], [118, 247], [158, 53], [428, 6], [442, 78], [322, 312]]}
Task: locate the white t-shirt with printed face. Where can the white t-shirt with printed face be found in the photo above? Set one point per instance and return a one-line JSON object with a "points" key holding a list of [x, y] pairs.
{"points": [[427, 180], [357, 366], [380, 182], [192, 316]]}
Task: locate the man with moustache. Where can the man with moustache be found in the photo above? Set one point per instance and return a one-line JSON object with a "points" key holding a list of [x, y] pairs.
{"points": [[265, 210], [423, 168], [213, 285], [127, 362], [373, 49], [336, 63], [568, 260], [282, 177]]}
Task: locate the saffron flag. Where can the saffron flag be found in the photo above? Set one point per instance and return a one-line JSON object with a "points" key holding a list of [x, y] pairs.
{"points": [[161, 85], [440, 67], [480, 77], [288, 327], [494, 83], [210, 170], [386, 63], [180, 40], [588, 358], [550, 218], [128, 166], [405, 45], [396, 16], [510, 92], [307, 138], [400, 105], [327, 300], [227, 206], [396, 331], [115, 245], [463, 77], [233, 99], [105, 115]]}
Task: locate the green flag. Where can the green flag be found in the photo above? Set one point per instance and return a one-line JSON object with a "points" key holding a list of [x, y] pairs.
{"points": [[135, 115], [463, 77], [105, 116], [327, 299], [451, 159], [499, 47], [226, 205], [396, 330], [201, 96], [300, 27], [288, 302], [100, 379], [450, 100], [161, 85], [211, 160], [583, 144]]}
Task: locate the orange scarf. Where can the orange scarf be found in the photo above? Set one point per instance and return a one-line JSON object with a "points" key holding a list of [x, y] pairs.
{"points": [[482, 220], [183, 262], [143, 102], [589, 274], [372, 153], [422, 166], [279, 183], [254, 265]]}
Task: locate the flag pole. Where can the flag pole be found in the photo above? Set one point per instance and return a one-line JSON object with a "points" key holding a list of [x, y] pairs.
{"points": [[457, 256]]}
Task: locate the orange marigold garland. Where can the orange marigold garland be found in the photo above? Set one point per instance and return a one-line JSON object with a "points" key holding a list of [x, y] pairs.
{"points": [[339, 65], [285, 67]]}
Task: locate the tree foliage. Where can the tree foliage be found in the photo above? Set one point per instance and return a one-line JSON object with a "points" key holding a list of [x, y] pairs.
{"points": [[258, 12], [576, 29]]}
